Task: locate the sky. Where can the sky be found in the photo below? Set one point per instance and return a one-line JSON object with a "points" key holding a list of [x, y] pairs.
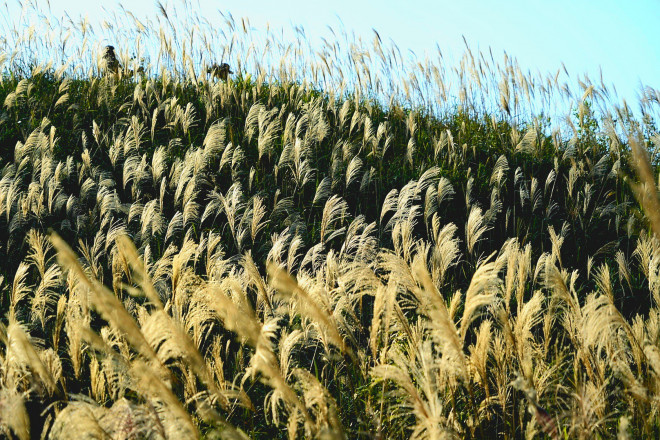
{"points": [[621, 38]]}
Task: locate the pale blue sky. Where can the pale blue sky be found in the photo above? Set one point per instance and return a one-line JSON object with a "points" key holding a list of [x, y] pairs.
{"points": [[621, 37]]}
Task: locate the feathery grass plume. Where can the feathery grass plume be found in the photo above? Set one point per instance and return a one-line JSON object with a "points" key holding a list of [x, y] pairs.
{"points": [[654, 275], [214, 141], [598, 324], [397, 269], [619, 321], [518, 265], [175, 419], [524, 271], [528, 317], [308, 307], [405, 208], [265, 363], [172, 342], [59, 320], [547, 423], [39, 248], [528, 143], [510, 249], [258, 212], [444, 330], [108, 306], [77, 319], [97, 382], [175, 226], [428, 178], [321, 404], [411, 149], [430, 204], [479, 353], [191, 217], [151, 220], [183, 278], [81, 416], [425, 402], [390, 202], [241, 319], [114, 356], [474, 228], [253, 279], [127, 419], [14, 419], [604, 281], [588, 412], [323, 191], [500, 170], [232, 205], [624, 426], [44, 299], [278, 247], [334, 212], [563, 287], [292, 253], [624, 268], [359, 244], [302, 172], [445, 190], [268, 126], [233, 309], [481, 292], [314, 257], [404, 243], [557, 241], [647, 248], [353, 171], [19, 290], [288, 345], [445, 252], [383, 299], [252, 120], [469, 186], [21, 356], [227, 155]]}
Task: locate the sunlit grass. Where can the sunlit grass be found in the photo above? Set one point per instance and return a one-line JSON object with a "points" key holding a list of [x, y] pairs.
{"points": [[331, 243]]}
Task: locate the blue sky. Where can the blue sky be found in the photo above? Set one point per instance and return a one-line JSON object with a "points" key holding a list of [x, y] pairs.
{"points": [[623, 38]]}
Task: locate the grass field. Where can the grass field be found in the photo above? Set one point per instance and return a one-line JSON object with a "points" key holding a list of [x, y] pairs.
{"points": [[331, 243]]}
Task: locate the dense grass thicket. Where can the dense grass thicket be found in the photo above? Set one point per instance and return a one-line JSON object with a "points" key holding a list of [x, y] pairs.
{"points": [[319, 247]]}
